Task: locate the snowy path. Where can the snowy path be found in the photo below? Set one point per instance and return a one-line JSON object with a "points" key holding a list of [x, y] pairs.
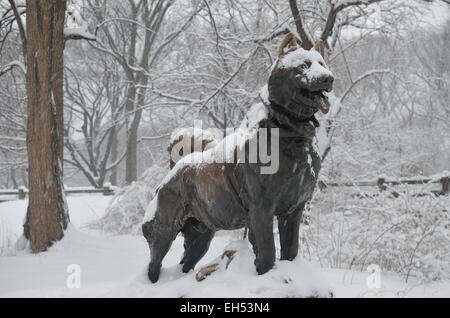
{"points": [[115, 267]]}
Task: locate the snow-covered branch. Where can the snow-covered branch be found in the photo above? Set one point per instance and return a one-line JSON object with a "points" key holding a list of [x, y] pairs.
{"points": [[78, 34], [366, 75]]}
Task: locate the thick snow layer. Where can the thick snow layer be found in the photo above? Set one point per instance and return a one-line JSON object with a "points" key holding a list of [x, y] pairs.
{"points": [[115, 266], [299, 56], [287, 279], [151, 210], [255, 115], [198, 133], [295, 58], [264, 94], [82, 211], [79, 33]]}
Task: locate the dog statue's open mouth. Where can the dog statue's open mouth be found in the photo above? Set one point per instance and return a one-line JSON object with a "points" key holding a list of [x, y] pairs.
{"points": [[322, 102], [316, 99]]}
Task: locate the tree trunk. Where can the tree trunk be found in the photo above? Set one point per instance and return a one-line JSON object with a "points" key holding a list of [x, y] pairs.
{"points": [[131, 160], [132, 141], [114, 156], [23, 172], [47, 214], [115, 142], [13, 179]]}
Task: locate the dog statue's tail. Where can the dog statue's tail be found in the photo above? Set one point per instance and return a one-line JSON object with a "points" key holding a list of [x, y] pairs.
{"points": [[186, 141]]}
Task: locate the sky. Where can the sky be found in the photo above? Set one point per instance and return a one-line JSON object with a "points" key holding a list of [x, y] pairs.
{"points": [[438, 15]]}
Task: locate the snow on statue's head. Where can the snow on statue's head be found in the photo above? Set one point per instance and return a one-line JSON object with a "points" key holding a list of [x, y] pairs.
{"points": [[300, 79]]}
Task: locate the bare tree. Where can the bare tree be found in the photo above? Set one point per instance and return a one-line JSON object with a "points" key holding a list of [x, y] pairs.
{"points": [[207, 59], [123, 37], [95, 108], [42, 46]]}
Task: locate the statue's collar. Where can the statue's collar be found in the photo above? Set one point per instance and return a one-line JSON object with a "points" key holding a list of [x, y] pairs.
{"points": [[291, 125]]}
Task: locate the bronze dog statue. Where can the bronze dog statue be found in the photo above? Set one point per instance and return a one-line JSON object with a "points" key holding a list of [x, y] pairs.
{"points": [[199, 199]]}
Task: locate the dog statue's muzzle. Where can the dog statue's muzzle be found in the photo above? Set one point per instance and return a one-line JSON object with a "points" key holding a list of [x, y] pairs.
{"points": [[323, 84]]}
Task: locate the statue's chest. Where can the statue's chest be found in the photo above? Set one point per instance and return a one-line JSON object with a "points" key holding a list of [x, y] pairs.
{"points": [[294, 167], [295, 180]]}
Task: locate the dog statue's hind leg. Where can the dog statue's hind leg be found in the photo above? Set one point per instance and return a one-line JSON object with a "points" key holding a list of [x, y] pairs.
{"points": [[288, 227], [197, 238]]}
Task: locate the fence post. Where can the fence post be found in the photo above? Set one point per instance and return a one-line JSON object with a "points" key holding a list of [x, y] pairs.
{"points": [[21, 194], [380, 184], [445, 182], [107, 190]]}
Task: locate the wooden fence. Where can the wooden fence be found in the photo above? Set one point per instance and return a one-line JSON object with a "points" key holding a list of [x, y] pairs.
{"points": [[385, 184], [22, 193]]}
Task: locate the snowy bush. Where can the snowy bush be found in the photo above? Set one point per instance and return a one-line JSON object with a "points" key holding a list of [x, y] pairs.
{"points": [[409, 234], [126, 211]]}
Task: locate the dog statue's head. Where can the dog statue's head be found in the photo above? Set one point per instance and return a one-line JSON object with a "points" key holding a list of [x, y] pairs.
{"points": [[300, 79]]}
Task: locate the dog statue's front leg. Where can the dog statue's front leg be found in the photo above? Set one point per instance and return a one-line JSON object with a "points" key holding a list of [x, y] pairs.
{"points": [[261, 227]]}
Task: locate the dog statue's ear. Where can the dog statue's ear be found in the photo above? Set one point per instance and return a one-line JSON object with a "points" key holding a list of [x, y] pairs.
{"points": [[288, 44], [320, 47]]}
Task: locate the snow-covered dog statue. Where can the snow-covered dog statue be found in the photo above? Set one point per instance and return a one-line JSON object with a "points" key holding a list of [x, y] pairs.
{"points": [[202, 194]]}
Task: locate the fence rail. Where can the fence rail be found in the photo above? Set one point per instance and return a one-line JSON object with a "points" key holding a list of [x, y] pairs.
{"points": [[22, 193], [384, 183], [381, 183]]}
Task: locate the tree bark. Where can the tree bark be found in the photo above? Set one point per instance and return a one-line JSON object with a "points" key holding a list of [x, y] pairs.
{"points": [[131, 159], [131, 156], [13, 179], [306, 41], [113, 179], [132, 141], [47, 214]]}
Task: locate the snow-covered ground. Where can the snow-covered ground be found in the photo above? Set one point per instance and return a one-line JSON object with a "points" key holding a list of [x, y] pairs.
{"points": [[115, 266]]}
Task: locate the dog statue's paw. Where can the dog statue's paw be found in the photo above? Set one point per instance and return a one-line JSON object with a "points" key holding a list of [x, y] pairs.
{"points": [[153, 273], [263, 267]]}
